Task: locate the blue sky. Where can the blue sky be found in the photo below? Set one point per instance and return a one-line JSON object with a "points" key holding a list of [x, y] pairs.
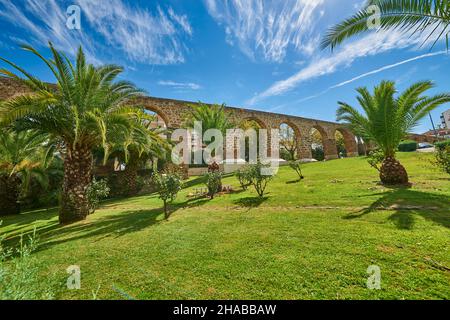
{"points": [[261, 55]]}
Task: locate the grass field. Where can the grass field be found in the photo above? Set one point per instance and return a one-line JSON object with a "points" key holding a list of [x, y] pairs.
{"points": [[306, 240]]}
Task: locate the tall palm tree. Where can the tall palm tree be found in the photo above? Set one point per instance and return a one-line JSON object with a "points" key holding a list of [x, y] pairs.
{"points": [[83, 110], [23, 155], [387, 120], [412, 16]]}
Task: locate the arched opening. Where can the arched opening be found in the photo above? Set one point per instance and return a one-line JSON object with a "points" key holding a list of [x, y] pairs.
{"points": [[316, 136], [246, 124], [289, 141], [346, 143]]}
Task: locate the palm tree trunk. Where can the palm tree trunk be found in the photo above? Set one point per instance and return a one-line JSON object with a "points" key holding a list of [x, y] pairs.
{"points": [[392, 172], [77, 177], [9, 195], [130, 177]]}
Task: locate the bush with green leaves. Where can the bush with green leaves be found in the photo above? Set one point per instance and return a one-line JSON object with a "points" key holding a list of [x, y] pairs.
{"points": [[442, 159], [407, 146], [258, 179], [243, 175], [19, 272], [375, 159], [442, 144], [168, 186], [318, 153], [213, 182], [296, 166], [97, 191]]}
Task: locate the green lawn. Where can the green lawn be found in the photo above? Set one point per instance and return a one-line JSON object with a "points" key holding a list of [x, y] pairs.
{"points": [[309, 240]]}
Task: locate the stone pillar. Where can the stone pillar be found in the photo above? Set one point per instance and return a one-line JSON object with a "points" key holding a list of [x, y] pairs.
{"points": [[351, 146], [330, 149]]}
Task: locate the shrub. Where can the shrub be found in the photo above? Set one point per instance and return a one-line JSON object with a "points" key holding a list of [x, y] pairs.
{"points": [[318, 153], [375, 159], [442, 144], [97, 191], [296, 166], [19, 272], [442, 159], [168, 185], [243, 175], [407, 146], [213, 182], [258, 179]]}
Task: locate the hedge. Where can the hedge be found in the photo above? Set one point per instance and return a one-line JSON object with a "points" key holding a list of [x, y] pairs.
{"points": [[407, 146]]}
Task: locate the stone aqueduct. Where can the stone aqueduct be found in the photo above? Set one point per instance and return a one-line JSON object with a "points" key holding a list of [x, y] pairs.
{"points": [[173, 112]]}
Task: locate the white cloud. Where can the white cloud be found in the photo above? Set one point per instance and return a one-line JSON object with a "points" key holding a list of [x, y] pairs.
{"points": [[143, 36], [369, 45], [180, 85], [269, 27]]}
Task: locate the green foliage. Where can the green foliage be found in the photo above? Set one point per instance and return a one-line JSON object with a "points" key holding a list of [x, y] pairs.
{"points": [[19, 273], [211, 117], [258, 179], [296, 166], [243, 174], [168, 185], [407, 146], [213, 182], [442, 144], [409, 16], [97, 190], [442, 159], [375, 159], [387, 119], [318, 153]]}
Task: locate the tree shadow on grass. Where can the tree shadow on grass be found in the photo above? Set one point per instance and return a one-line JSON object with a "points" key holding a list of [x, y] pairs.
{"points": [[407, 204], [250, 202]]}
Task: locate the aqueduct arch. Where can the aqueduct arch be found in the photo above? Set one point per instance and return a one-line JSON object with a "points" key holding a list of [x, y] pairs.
{"points": [[173, 113]]}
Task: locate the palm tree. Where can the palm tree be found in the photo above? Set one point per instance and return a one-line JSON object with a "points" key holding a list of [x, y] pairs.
{"points": [[388, 119], [23, 155], [411, 16], [83, 110], [211, 117], [138, 145]]}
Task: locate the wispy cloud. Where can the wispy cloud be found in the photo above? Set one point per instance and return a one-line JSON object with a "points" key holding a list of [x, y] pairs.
{"points": [[268, 27], [370, 45], [139, 34], [366, 74], [180, 85]]}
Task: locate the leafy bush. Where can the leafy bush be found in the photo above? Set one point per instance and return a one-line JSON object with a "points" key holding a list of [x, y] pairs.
{"points": [[407, 146], [213, 182], [19, 273], [97, 191], [442, 144], [243, 175], [442, 159], [296, 166], [168, 184], [318, 154], [257, 179], [375, 159]]}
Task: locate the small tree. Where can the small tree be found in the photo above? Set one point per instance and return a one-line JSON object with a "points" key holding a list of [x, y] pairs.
{"points": [[296, 166], [442, 159], [258, 179], [375, 159], [243, 175], [97, 190], [213, 182], [168, 187]]}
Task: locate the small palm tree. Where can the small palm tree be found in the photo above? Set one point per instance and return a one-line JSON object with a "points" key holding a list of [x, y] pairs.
{"points": [[23, 155], [387, 120], [85, 108], [138, 145], [410, 16], [211, 117]]}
